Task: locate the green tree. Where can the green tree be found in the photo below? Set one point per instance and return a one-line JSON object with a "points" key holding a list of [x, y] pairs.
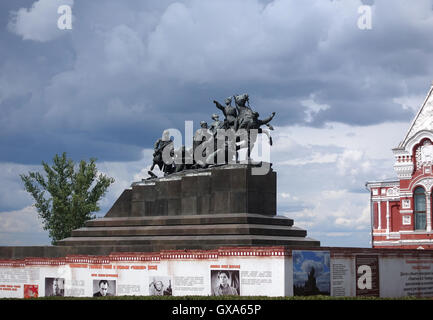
{"points": [[74, 192]]}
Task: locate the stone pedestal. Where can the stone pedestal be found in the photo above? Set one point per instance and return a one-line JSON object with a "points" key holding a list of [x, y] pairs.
{"points": [[195, 209], [220, 190]]}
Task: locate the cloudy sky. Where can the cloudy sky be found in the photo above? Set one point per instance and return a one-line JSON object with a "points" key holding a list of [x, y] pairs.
{"points": [[344, 93]]}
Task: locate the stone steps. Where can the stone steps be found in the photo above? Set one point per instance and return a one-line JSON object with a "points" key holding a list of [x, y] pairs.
{"points": [[223, 229], [189, 232], [155, 243], [235, 218]]}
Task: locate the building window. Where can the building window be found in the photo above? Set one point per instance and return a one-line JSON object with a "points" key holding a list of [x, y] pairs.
{"points": [[405, 203], [420, 208]]}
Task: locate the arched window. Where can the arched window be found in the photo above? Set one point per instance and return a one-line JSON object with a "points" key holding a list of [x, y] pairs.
{"points": [[420, 212]]}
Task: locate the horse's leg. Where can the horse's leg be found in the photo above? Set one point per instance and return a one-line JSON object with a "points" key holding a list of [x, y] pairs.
{"points": [[266, 132]]}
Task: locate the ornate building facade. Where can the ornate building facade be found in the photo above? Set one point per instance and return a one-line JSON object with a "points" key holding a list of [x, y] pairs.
{"points": [[401, 209]]}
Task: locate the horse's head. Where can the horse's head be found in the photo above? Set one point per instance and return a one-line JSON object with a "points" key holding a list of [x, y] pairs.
{"points": [[241, 99]]}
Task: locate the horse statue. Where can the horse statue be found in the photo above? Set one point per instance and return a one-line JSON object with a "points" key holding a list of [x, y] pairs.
{"points": [[249, 119], [239, 131]]}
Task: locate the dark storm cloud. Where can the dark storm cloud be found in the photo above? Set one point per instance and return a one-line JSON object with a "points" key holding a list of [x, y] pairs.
{"points": [[128, 70]]}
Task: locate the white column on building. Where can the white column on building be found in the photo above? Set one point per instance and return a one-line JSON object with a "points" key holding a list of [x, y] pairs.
{"points": [[428, 210], [379, 222], [372, 218], [387, 216]]}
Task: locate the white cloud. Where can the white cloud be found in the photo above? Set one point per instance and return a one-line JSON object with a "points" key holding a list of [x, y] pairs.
{"points": [[349, 162], [124, 50], [312, 108], [23, 220], [215, 39], [124, 173], [12, 193], [22, 227], [315, 157], [334, 194], [338, 234], [411, 102], [288, 196], [361, 221], [38, 23], [385, 136]]}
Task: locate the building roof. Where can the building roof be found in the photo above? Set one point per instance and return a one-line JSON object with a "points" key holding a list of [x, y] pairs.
{"points": [[423, 119]]}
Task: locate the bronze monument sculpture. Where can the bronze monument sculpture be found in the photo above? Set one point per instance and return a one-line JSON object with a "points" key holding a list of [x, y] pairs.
{"points": [[220, 140]]}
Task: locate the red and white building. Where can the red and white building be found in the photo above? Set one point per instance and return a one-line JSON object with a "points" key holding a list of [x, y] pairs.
{"points": [[401, 209]]}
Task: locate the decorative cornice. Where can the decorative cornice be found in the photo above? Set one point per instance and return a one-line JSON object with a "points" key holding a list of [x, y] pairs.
{"points": [[393, 192], [404, 173], [427, 183], [382, 184]]}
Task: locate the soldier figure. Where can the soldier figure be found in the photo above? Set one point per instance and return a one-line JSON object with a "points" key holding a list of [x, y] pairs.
{"points": [[159, 147], [217, 124], [229, 112]]}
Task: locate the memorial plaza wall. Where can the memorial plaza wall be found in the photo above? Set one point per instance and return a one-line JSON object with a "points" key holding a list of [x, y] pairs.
{"points": [[246, 271]]}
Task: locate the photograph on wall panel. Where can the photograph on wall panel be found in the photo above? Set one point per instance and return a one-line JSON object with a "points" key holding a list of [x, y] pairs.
{"points": [[225, 282], [160, 286], [54, 287], [103, 287], [311, 273]]}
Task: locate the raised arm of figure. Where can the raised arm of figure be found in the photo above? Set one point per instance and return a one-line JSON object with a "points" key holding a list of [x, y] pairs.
{"points": [[219, 105], [268, 119]]}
